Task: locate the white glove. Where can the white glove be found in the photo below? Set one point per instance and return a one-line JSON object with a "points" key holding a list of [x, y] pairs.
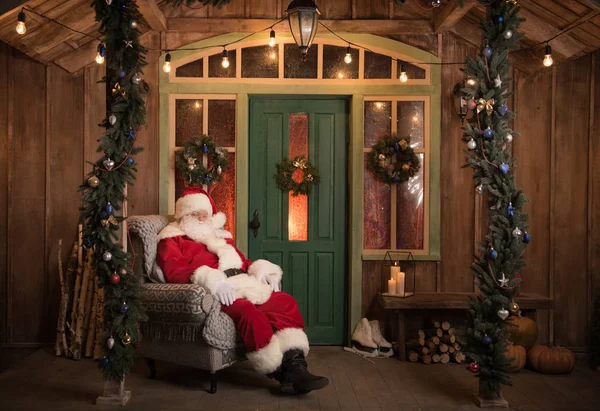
{"points": [[224, 293], [272, 281]]}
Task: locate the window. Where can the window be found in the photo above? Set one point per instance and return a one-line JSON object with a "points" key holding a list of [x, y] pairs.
{"points": [[213, 115], [325, 63], [395, 214]]}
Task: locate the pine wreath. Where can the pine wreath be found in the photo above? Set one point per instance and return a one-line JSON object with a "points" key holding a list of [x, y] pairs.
{"points": [[393, 160], [296, 175], [189, 161]]}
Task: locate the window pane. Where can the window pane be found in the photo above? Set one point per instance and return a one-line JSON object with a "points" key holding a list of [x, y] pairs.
{"points": [[378, 121], [377, 66], [221, 122], [334, 65], [215, 69], [294, 67], [377, 211], [413, 72], [410, 211], [410, 121], [223, 193], [180, 183], [260, 62], [193, 69], [298, 205], [188, 120]]}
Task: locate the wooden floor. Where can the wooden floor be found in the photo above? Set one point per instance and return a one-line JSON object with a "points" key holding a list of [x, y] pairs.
{"points": [[44, 382]]}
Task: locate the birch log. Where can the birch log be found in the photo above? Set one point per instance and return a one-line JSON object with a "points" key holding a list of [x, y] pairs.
{"points": [[81, 309], [61, 347], [87, 308], [77, 289]]}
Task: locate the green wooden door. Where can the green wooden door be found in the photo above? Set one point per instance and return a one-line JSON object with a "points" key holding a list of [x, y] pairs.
{"points": [[306, 236]]}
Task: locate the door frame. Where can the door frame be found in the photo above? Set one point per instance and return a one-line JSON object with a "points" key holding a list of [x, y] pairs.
{"points": [[242, 90], [347, 223]]}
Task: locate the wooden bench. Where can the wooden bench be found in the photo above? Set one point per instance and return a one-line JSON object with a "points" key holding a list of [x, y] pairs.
{"points": [[449, 301]]}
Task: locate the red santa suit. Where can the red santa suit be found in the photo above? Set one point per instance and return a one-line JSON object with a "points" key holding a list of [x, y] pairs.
{"points": [[269, 322]]}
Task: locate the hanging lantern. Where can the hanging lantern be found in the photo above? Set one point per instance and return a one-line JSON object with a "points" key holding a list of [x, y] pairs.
{"points": [[461, 101], [399, 281], [303, 17]]}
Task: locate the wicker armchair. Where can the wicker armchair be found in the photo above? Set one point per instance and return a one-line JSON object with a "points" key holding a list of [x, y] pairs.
{"points": [[185, 324]]}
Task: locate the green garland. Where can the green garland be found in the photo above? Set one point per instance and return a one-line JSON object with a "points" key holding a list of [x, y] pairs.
{"points": [[285, 175], [393, 160], [190, 164]]}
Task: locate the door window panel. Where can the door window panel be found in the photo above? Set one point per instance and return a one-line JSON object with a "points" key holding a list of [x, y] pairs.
{"points": [[298, 205], [193, 69], [260, 62], [188, 120], [334, 66], [377, 66], [294, 67]]}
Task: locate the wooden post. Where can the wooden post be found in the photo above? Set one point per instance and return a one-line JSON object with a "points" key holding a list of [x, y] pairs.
{"points": [[114, 394]]}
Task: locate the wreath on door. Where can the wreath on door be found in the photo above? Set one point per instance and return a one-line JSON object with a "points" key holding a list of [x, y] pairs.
{"points": [[189, 161], [393, 160], [296, 176]]}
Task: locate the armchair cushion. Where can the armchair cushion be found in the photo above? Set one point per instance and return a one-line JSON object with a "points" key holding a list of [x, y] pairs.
{"points": [[146, 228]]}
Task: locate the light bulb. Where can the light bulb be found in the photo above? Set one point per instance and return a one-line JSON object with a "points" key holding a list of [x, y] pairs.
{"points": [[403, 75], [167, 65], [99, 58], [348, 58], [100, 54], [21, 27], [272, 39], [548, 57], [225, 62], [471, 82]]}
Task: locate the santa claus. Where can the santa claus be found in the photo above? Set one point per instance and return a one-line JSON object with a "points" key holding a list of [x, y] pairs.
{"points": [[196, 248]]}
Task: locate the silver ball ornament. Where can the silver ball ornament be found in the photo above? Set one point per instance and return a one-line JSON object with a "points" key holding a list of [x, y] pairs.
{"points": [[479, 189], [110, 343], [133, 24], [472, 145], [112, 119], [107, 256], [509, 138], [136, 79], [503, 313], [219, 170], [508, 34], [109, 164], [517, 232]]}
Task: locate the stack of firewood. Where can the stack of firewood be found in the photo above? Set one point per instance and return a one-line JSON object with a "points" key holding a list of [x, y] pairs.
{"points": [[81, 333], [435, 345]]}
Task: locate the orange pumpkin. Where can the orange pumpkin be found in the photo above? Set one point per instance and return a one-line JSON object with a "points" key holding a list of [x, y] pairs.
{"points": [[523, 331], [517, 356], [555, 360]]}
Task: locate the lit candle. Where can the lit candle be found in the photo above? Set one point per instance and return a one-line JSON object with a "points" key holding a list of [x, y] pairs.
{"points": [[400, 283], [394, 270], [392, 286]]}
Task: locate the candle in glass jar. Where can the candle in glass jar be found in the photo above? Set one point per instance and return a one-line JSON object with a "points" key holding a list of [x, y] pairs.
{"points": [[400, 283], [394, 270], [392, 286]]}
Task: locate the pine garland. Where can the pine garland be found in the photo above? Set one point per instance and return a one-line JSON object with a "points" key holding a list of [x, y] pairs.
{"points": [[190, 165], [103, 192], [497, 268]]}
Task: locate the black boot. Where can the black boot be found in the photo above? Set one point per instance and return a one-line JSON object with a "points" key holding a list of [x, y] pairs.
{"points": [[294, 377]]}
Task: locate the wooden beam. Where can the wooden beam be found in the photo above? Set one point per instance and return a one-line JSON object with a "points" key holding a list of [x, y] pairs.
{"points": [[539, 30], [446, 17], [220, 26], [153, 14], [78, 59]]}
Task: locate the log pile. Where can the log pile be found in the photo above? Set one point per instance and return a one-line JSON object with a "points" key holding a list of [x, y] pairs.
{"points": [[81, 333], [435, 345]]}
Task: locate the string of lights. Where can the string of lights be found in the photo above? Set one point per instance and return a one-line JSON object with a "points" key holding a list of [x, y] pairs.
{"points": [[21, 28]]}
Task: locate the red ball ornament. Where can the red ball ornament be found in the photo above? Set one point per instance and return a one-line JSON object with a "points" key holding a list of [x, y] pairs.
{"points": [[471, 104], [115, 279], [474, 367]]}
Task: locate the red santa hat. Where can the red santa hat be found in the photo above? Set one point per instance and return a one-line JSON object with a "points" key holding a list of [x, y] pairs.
{"points": [[194, 199]]}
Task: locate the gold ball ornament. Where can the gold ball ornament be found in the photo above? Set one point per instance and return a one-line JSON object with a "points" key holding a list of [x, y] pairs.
{"points": [[381, 157], [191, 167], [513, 307], [126, 339], [93, 181], [191, 160], [405, 167]]}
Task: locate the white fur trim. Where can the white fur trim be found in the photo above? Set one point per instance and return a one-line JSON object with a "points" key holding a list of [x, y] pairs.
{"points": [[172, 230], [250, 288], [220, 233], [267, 359], [219, 220], [192, 202], [293, 339], [264, 267], [207, 277]]}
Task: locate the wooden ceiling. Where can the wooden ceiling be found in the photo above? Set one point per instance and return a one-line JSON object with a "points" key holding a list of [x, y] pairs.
{"points": [[48, 42]]}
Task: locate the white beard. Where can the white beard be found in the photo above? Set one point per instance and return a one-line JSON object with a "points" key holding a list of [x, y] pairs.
{"points": [[199, 231]]}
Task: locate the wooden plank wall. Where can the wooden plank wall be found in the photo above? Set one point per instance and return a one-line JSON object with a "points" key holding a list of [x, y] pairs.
{"points": [[48, 130]]}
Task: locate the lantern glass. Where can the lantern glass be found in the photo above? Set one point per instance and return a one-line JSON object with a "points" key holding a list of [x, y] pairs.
{"points": [[398, 274], [303, 18], [461, 101]]}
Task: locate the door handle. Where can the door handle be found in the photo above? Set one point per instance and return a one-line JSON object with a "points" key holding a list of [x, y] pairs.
{"points": [[255, 224]]}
